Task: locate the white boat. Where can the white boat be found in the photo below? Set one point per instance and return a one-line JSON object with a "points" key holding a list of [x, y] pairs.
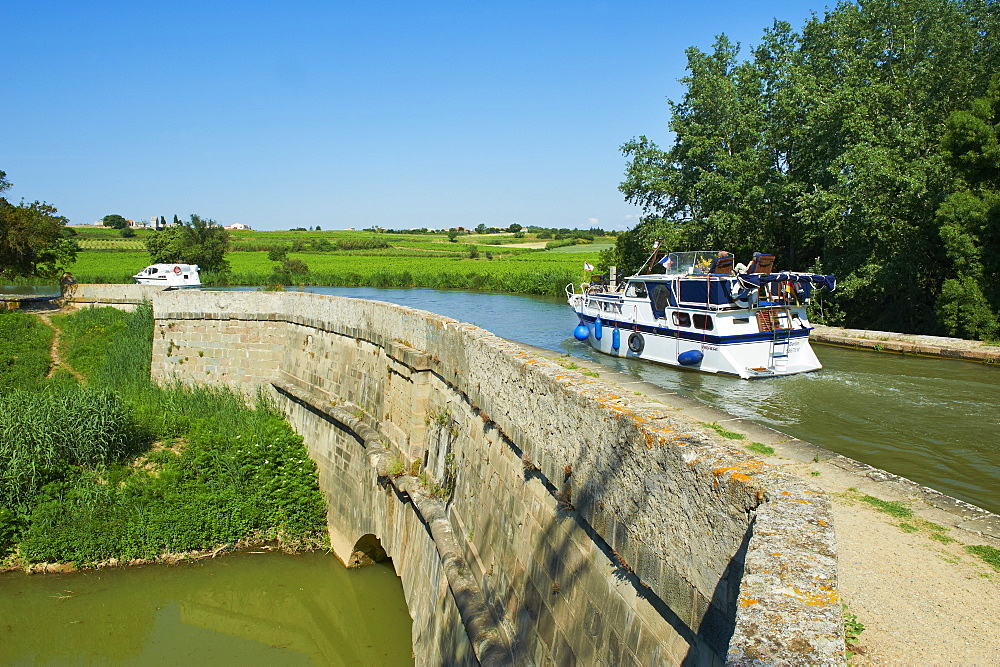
{"points": [[176, 276], [706, 314]]}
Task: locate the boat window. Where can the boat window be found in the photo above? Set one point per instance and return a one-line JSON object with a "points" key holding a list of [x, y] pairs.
{"points": [[703, 322], [660, 297], [682, 319], [741, 320], [153, 270], [636, 289], [699, 291]]}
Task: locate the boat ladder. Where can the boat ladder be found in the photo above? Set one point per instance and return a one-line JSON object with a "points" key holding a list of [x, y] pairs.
{"points": [[779, 322]]}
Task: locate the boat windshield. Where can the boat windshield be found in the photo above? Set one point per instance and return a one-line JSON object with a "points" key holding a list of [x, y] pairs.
{"points": [[687, 263]]}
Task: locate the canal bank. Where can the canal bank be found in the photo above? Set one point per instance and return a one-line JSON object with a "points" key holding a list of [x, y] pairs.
{"points": [[888, 341], [906, 576]]}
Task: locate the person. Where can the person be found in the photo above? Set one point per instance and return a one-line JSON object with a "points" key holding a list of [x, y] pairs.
{"points": [[725, 259]]}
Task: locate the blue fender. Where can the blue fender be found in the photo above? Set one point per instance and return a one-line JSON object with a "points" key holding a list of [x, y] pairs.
{"points": [[690, 358], [581, 332], [598, 328], [616, 339]]}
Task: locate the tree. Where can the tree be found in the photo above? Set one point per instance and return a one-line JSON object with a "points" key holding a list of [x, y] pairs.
{"points": [[825, 148], [33, 239], [970, 220], [198, 241], [115, 221], [452, 235], [514, 227], [481, 228]]}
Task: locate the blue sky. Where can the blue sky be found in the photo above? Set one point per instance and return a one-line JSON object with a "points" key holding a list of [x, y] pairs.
{"points": [[347, 114]]}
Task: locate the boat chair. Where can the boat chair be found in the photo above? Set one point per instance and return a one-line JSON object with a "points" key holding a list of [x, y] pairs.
{"points": [[761, 263], [722, 265]]}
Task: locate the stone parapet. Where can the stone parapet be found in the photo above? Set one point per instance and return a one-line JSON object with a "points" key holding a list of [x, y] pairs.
{"points": [[887, 341], [597, 526]]}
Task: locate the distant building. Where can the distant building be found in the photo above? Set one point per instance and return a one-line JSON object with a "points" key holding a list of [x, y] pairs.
{"points": [[238, 225]]}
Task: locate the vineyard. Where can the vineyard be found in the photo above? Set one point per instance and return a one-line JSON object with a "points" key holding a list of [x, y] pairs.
{"points": [[484, 262]]}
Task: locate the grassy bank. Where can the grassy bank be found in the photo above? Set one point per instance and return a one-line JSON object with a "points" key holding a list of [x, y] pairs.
{"points": [[119, 468]]}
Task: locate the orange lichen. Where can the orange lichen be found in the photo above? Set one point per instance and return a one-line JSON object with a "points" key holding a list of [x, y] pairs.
{"points": [[748, 601]]}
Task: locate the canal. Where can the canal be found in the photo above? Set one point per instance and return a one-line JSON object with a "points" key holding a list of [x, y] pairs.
{"points": [[264, 608]]}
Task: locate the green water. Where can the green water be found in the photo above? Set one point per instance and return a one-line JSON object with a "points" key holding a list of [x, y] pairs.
{"points": [[245, 609]]}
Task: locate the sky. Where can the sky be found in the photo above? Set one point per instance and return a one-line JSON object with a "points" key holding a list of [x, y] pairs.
{"points": [[348, 114]]}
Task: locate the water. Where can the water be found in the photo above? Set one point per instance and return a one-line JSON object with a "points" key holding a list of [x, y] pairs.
{"points": [[931, 420], [245, 609]]}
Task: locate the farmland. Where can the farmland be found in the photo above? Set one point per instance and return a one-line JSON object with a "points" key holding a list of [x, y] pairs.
{"points": [[484, 262]]}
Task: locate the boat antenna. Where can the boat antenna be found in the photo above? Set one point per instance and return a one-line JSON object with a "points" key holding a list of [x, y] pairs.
{"points": [[652, 258]]}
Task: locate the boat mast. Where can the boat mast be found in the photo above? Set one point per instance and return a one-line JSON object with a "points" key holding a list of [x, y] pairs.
{"points": [[652, 258]]}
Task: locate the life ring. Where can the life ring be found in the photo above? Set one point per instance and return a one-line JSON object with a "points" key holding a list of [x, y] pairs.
{"points": [[177, 269], [636, 343]]}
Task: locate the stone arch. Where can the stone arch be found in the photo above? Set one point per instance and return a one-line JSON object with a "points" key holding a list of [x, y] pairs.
{"points": [[367, 551]]}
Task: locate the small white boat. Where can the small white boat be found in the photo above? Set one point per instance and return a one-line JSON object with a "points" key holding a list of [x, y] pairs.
{"points": [[176, 276], [706, 314]]}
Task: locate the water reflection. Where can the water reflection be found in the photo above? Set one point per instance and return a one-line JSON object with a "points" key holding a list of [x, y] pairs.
{"points": [[255, 609]]}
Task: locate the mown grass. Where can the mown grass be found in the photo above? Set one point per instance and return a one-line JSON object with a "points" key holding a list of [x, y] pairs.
{"points": [[123, 468]]}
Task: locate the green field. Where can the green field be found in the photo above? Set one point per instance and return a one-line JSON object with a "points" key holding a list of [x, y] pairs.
{"points": [[407, 260]]}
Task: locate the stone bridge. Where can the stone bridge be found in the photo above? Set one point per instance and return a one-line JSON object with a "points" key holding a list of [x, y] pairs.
{"points": [[534, 514]]}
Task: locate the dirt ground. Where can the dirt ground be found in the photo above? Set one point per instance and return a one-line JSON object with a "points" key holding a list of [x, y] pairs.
{"points": [[922, 601]]}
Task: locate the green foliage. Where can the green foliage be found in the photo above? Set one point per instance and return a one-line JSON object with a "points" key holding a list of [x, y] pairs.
{"points": [[989, 555], [41, 433], [829, 147], [852, 631], [114, 221], [890, 507], [725, 433], [223, 471], [32, 239], [24, 350], [198, 241], [760, 448], [969, 220]]}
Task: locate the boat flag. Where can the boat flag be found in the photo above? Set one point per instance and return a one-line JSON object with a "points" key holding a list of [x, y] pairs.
{"points": [[666, 262], [587, 267]]}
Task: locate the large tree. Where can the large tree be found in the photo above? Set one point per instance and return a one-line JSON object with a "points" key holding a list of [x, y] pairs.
{"points": [[33, 239], [970, 220], [825, 148], [199, 241], [115, 221]]}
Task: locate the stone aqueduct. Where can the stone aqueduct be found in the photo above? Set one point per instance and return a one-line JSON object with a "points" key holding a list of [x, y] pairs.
{"points": [[533, 514]]}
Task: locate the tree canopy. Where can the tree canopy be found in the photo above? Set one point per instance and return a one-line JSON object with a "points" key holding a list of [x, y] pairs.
{"points": [[114, 221], [852, 147], [33, 239], [198, 241]]}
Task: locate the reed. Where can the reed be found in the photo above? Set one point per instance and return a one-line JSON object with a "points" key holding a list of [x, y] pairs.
{"points": [[24, 349]]}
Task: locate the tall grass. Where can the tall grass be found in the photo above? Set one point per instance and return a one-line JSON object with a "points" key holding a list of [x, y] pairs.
{"points": [[43, 432], [24, 349], [213, 470]]}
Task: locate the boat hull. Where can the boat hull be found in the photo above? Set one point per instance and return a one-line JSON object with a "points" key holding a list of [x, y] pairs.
{"points": [[748, 356]]}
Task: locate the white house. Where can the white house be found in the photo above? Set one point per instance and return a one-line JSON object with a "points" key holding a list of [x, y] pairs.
{"points": [[238, 225]]}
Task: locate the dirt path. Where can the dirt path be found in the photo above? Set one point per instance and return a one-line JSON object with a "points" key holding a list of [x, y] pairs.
{"points": [[922, 598], [57, 360]]}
